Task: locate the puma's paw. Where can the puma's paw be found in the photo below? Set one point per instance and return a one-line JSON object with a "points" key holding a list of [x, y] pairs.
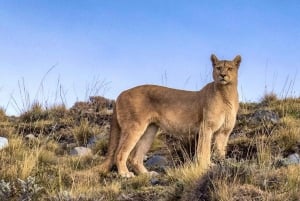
{"points": [[127, 175]]}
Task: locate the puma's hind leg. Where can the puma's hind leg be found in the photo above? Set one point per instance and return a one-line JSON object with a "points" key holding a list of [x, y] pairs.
{"points": [[130, 135], [141, 148], [113, 145]]}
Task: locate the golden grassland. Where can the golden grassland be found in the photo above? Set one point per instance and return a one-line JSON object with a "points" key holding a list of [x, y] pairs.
{"points": [[42, 168]]}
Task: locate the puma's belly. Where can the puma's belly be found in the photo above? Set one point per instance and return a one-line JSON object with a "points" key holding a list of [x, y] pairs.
{"points": [[177, 123]]}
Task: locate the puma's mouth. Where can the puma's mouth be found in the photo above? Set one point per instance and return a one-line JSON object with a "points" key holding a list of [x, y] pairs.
{"points": [[222, 80]]}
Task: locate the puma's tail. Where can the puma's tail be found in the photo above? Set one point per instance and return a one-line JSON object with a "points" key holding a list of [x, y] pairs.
{"points": [[113, 143]]}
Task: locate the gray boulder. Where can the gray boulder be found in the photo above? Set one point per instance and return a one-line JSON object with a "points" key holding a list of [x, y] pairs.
{"points": [[81, 151], [264, 116], [292, 159], [157, 163]]}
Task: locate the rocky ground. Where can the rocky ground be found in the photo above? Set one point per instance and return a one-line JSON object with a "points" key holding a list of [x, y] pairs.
{"points": [[53, 154]]}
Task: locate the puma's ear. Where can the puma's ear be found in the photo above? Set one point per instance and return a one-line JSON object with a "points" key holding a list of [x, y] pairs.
{"points": [[237, 60], [214, 59]]}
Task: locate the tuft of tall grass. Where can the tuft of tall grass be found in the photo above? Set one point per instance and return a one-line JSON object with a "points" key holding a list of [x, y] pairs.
{"points": [[35, 113], [47, 158], [264, 152], [18, 160], [29, 163], [293, 181], [287, 138], [57, 112], [83, 132], [188, 173], [3, 116], [269, 98], [100, 147]]}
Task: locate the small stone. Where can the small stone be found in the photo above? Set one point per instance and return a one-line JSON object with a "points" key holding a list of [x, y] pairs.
{"points": [[30, 137], [154, 181], [3, 142], [293, 159], [92, 141], [157, 162], [81, 151]]}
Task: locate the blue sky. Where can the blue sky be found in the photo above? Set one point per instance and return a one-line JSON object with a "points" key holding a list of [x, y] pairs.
{"points": [[118, 44]]}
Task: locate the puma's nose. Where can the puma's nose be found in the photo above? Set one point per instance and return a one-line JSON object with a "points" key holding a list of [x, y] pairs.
{"points": [[223, 75]]}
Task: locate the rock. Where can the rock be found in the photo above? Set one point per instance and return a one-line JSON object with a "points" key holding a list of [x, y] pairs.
{"points": [[30, 137], [71, 145], [157, 162], [264, 116], [154, 181], [92, 141], [292, 159], [81, 151], [3, 142], [262, 121]]}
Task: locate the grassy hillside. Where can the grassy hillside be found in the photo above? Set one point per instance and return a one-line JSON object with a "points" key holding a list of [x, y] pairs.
{"points": [[40, 167]]}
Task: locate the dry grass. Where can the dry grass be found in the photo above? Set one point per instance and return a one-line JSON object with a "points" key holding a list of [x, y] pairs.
{"points": [[16, 160], [269, 98], [250, 173], [36, 112], [262, 179], [188, 173], [84, 131], [3, 116], [264, 152]]}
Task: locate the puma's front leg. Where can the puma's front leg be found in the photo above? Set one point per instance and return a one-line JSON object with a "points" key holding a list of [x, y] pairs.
{"points": [[204, 145], [220, 143]]}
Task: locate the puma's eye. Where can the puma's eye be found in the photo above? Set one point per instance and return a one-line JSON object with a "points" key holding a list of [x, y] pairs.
{"points": [[218, 68], [230, 69]]}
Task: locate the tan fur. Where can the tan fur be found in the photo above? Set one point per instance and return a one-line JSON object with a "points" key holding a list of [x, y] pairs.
{"points": [[140, 111]]}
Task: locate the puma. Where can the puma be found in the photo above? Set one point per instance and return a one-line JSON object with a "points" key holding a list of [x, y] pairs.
{"points": [[140, 111]]}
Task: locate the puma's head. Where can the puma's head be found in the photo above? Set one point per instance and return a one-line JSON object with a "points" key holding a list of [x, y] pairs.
{"points": [[225, 72]]}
